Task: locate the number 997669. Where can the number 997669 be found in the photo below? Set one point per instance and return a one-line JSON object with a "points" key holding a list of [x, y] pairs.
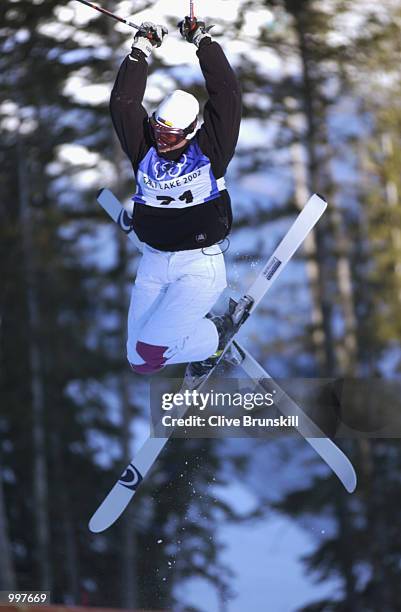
{"points": [[25, 597]]}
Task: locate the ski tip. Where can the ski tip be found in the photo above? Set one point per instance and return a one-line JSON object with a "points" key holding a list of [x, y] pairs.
{"points": [[95, 527], [351, 485], [99, 193], [319, 195], [318, 203]]}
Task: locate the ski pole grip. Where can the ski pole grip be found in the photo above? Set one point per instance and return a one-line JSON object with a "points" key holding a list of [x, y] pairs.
{"points": [[190, 23]]}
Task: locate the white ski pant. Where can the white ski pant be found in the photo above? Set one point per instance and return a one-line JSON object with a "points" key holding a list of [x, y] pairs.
{"points": [[172, 294]]}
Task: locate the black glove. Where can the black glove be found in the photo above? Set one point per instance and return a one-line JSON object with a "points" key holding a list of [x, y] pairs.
{"points": [[148, 36], [194, 31]]}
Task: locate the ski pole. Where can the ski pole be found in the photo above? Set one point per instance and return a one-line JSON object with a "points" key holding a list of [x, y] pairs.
{"points": [[109, 14], [192, 18]]}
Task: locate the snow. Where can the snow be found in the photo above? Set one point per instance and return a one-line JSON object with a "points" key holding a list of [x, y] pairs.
{"points": [[77, 155], [82, 91]]}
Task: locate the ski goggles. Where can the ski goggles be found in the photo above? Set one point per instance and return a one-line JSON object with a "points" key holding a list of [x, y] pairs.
{"points": [[166, 136]]}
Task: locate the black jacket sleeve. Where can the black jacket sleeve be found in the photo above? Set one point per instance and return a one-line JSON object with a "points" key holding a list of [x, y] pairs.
{"points": [[130, 118], [222, 113]]}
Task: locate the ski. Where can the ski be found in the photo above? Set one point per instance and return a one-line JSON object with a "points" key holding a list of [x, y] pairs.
{"points": [[241, 310], [326, 448], [124, 490], [119, 214]]}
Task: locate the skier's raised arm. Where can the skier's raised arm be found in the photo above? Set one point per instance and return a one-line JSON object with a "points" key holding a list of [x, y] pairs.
{"points": [[222, 113], [181, 205], [130, 118]]}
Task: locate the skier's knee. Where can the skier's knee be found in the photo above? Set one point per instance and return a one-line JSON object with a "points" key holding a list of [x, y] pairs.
{"points": [[153, 357]]}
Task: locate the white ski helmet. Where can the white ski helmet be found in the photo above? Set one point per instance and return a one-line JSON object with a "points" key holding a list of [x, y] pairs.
{"points": [[179, 111]]}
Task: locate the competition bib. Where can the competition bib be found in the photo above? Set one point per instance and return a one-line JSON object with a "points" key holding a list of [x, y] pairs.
{"points": [[189, 181]]}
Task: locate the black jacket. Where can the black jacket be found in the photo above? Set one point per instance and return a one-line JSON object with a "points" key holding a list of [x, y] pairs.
{"points": [[176, 229]]}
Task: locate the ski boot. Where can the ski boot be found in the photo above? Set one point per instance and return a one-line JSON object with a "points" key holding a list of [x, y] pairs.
{"points": [[224, 325], [227, 326]]}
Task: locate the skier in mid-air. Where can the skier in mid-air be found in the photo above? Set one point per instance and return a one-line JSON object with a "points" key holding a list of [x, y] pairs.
{"points": [[182, 209], [181, 213]]}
